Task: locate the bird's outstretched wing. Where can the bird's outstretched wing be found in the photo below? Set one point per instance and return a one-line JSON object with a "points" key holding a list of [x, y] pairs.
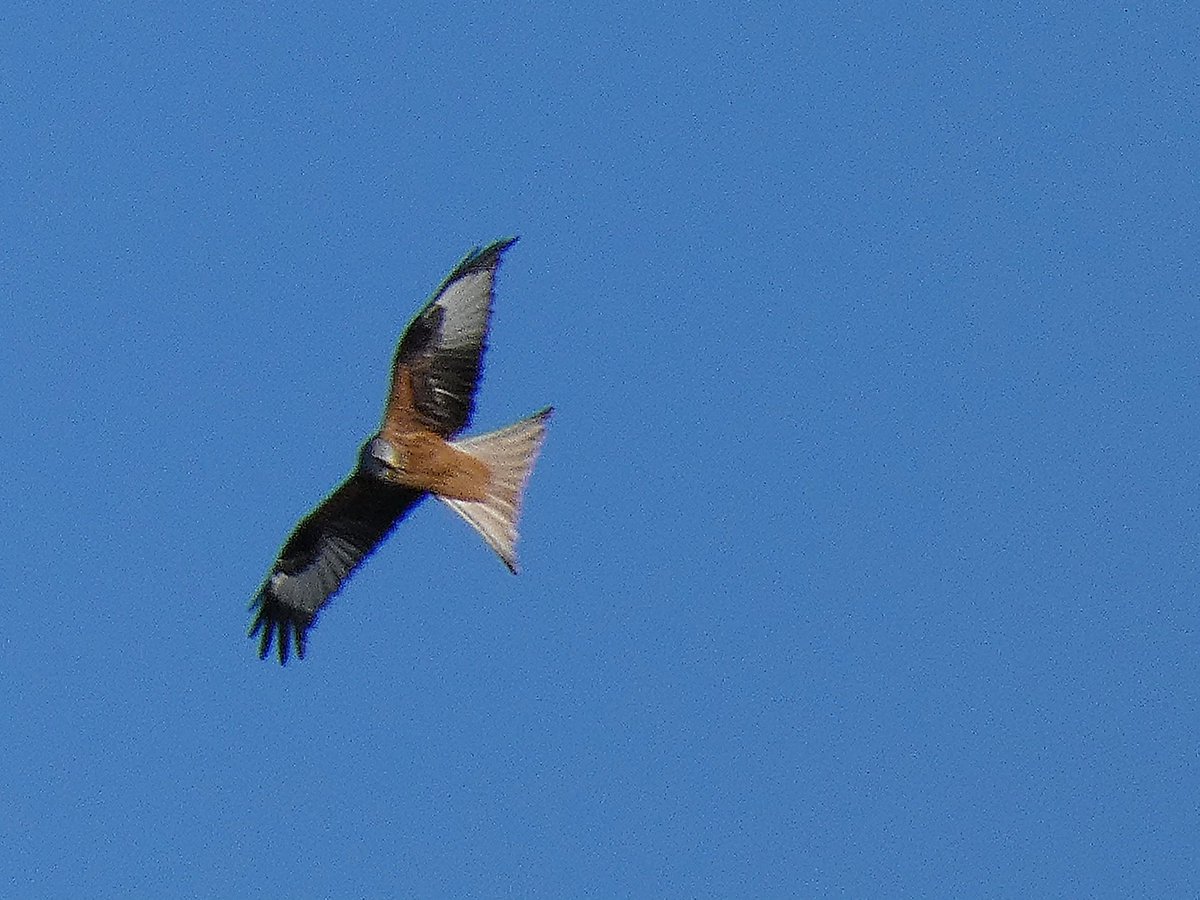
{"points": [[319, 556], [438, 361]]}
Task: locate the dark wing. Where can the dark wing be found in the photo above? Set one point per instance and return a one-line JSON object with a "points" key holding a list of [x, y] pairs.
{"points": [[319, 556], [440, 357]]}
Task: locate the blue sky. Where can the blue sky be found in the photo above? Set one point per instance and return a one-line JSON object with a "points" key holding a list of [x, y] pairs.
{"points": [[860, 560]]}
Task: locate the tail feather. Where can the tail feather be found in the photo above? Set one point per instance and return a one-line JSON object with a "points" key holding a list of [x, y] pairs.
{"points": [[509, 455]]}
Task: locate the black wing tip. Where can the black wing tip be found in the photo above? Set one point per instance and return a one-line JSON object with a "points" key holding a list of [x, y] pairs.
{"points": [[279, 624], [497, 247], [480, 258]]}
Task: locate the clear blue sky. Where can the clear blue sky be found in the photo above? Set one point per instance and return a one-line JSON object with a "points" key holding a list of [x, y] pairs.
{"points": [[862, 555]]}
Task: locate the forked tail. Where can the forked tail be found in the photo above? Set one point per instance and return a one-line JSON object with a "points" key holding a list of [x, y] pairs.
{"points": [[509, 455]]}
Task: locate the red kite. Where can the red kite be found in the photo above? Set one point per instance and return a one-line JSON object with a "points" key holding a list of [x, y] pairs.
{"points": [[432, 395]]}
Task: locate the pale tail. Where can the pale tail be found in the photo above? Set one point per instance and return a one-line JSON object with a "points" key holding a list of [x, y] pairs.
{"points": [[509, 454]]}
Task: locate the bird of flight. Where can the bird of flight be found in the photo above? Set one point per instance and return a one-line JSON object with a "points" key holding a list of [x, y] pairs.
{"points": [[432, 395]]}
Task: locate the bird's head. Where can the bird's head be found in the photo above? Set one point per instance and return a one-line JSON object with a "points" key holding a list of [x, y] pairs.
{"points": [[378, 458]]}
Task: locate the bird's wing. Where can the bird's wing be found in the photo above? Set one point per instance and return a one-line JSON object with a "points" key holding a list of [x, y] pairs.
{"points": [[327, 545], [440, 357]]}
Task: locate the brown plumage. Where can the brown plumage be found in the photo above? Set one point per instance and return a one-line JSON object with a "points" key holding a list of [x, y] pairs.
{"points": [[430, 400]]}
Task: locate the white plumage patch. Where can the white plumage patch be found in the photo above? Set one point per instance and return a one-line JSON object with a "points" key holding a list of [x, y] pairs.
{"points": [[466, 304]]}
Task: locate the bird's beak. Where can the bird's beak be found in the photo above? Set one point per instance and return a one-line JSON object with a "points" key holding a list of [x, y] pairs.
{"points": [[379, 458]]}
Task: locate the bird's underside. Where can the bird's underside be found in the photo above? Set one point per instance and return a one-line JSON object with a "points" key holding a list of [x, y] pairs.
{"points": [[435, 375]]}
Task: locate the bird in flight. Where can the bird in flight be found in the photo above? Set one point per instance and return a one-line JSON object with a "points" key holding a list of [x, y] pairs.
{"points": [[432, 395]]}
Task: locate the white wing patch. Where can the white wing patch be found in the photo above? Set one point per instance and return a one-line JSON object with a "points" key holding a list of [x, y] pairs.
{"points": [[466, 304], [310, 587]]}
